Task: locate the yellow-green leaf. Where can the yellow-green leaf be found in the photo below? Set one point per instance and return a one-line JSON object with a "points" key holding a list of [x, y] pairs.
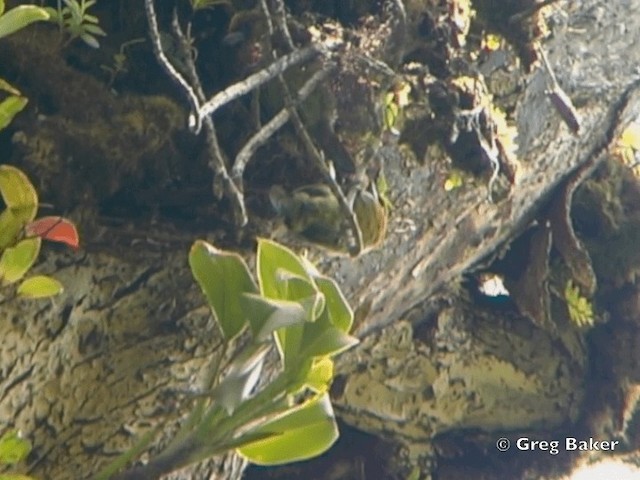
{"points": [[630, 137], [320, 376], [9, 108], [10, 227], [301, 433], [40, 286], [16, 261], [272, 260], [13, 448], [18, 193], [7, 87], [19, 17], [223, 277]]}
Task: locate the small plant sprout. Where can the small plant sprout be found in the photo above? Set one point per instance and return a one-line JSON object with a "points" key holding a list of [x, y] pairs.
{"points": [[76, 22]]}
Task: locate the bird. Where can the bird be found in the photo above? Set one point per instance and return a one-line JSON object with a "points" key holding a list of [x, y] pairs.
{"points": [[311, 211], [314, 213]]}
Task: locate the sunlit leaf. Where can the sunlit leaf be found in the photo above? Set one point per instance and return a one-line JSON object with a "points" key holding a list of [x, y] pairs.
{"points": [[9, 108], [320, 375], [10, 228], [242, 377], [454, 181], [55, 229], [40, 286], [319, 340], [580, 309], [268, 315], [7, 87], [272, 260], [302, 433], [16, 261], [223, 277], [13, 448], [336, 305], [18, 193], [491, 42], [630, 137], [19, 17], [14, 476]]}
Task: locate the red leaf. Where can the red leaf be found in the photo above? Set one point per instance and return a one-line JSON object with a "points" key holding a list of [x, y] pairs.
{"points": [[55, 229]]}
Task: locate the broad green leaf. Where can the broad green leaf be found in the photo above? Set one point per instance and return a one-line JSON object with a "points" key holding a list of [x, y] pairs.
{"points": [[18, 193], [319, 340], [223, 277], [267, 315], [272, 259], [16, 261], [40, 286], [299, 289], [9, 108], [2, 6], [243, 376], [303, 432], [13, 448], [10, 228], [337, 307], [19, 17]]}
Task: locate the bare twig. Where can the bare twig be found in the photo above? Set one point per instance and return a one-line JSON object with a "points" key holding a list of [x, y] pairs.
{"points": [[277, 122], [259, 78], [559, 99], [192, 98], [280, 19], [222, 182]]}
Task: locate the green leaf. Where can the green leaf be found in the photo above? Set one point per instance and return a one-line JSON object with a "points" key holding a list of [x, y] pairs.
{"points": [[10, 228], [7, 87], [40, 286], [272, 260], [14, 476], [18, 193], [13, 448], [301, 433], [267, 315], [337, 307], [223, 277], [16, 261], [2, 6], [95, 30], [320, 375], [319, 340], [19, 17], [9, 108], [243, 376], [299, 289], [90, 40]]}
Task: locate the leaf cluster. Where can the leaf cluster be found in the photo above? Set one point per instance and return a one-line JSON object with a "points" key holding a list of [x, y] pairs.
{"points": [[287, 417], [580, 309], [76, 22]]}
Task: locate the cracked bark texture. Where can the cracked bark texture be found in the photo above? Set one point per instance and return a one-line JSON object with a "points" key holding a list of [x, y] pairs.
{"points": [[84, 375]]}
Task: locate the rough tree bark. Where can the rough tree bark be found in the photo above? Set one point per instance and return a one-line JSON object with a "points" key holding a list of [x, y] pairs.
{"points": [[84, 375]]}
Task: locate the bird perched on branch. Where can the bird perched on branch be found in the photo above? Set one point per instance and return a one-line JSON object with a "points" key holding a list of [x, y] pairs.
{"points": [[314, 213]]}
